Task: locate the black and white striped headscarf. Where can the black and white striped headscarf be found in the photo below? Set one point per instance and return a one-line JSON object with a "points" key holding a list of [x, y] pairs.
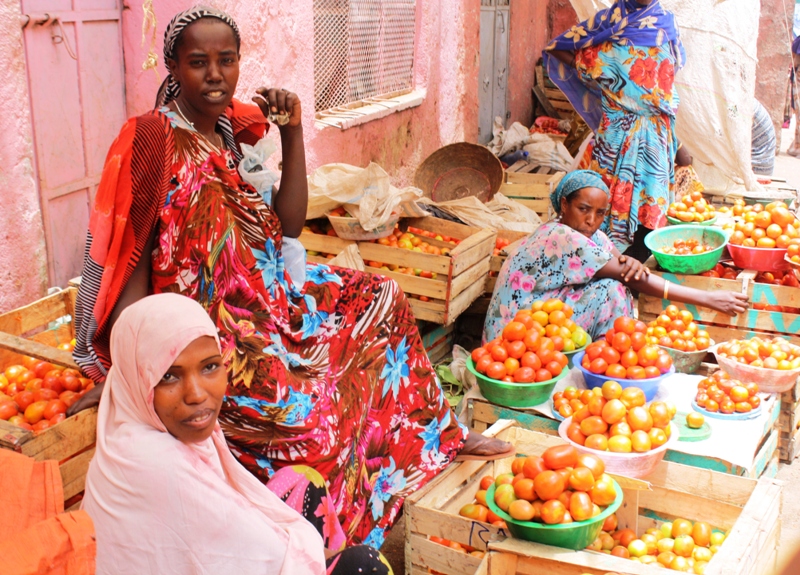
{"points": [[170, 88]]}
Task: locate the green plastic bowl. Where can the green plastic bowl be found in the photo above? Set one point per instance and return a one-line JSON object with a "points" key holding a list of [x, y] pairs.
{"points": [[576, 535], [689, 264], [676, 222], [515, 394]]}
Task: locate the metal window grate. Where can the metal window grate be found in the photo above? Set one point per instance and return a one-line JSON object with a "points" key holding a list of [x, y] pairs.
{"points": [[362, 49]]}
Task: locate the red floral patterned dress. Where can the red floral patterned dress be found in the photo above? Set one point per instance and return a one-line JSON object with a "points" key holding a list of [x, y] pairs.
{"points": [[333, 375]]}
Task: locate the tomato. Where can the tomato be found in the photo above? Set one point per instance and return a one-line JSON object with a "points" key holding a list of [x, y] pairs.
{"points": [[592, 463], [554, 367], [597, 441], [561, 359], [533, 466], [8, 409], [614, 411], [34, 413], [23, 399], [598, 366], [663, 364], [553, 512], [610, 524], [621, 428], [498, 353], [496, 370], [659, 413], [12, 372], [603, 492], [482, 364], [531, 340], [522, 510], [592, 425], [57, 418], [632, 397], [626, 325], [620, 444], [478, 353], [530, 359], [574, 434], [41, 368], [524, 489], [486, 482], [549, 485], [620, 551], [525, 375], [44, 395], [504, 496], [560, 456], [581, 506], [53, 408], [474, 511], [610, 355], [581, 479], [41, 425], [543, 375], [70, 382], [515, 349]]}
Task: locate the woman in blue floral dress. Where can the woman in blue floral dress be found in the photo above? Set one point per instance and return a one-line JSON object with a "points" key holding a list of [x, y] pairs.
{"points": [[618, 68], [572, 260]]}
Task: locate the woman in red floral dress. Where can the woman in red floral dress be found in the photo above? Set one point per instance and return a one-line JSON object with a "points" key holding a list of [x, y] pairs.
{"points": [[330, 374]]}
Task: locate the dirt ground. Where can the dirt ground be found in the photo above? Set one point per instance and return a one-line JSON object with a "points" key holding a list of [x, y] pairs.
{"points": [[786, 167]]}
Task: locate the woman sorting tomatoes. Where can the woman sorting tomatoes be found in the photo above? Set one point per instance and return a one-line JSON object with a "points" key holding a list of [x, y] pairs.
{"points": [[328, 370], [570, 259]]}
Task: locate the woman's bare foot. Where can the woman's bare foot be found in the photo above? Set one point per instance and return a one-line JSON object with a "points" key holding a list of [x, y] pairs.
{"points": [[487, 448]]}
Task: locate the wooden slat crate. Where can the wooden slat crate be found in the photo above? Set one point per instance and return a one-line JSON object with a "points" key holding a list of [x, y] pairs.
{"points": [[461, 276], [722, 327], [497, 261], [437, 340], [483, 414], [789, 424], [748, 508], [532, 190], [32, 330]]}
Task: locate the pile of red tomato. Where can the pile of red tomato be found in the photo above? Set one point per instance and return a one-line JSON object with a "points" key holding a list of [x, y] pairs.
{"points": [[36, 394], [720, 393], [561, 486], [625, 354]]}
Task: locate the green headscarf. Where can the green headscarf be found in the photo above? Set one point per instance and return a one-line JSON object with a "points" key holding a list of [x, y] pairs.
{"points": [[575, 181]]}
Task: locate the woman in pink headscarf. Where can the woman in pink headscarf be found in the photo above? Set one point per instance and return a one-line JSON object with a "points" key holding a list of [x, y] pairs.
{"points": [[165, 493]]}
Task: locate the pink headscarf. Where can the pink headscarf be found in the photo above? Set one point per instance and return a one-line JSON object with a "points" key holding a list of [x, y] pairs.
{"points": [[162, 506]]}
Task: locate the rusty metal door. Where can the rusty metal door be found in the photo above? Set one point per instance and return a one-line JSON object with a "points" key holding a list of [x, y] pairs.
{"points": [[73, 52]]}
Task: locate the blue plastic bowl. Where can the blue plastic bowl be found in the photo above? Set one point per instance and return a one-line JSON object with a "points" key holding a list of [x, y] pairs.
{"points": [[648, 386]]}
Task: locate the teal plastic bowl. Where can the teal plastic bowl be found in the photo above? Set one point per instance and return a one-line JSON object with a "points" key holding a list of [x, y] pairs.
{"points": [[575, 535], [689, 264], [515, 394], [676, 222]]}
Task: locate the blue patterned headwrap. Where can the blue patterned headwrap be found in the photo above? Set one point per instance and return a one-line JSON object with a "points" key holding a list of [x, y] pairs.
{"points": [[626, 22], [575, 181]]}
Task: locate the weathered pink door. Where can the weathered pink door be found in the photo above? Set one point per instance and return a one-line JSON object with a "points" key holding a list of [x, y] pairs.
{"points": [[76, 78]]}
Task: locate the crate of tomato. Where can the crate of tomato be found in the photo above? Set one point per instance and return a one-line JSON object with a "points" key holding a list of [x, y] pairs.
{"points": [[38, 382], [443, 535], [441, 266]]}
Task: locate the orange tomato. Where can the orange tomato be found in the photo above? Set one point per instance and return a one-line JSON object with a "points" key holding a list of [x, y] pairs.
{"points": [[603, 492], [496, 370], [592, 425], [553, 512], [597, 441], [598, 366], [626, 325], [515, 331], [478, 353], [581, 506], [499, 353], [524, 375], [559, 457], [483, 363], [614, 411], [549, 485], [616, 371], [512, 365], [592, 463], [524, 489]]}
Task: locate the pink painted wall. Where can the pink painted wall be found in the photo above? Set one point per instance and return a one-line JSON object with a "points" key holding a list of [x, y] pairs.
{"points": [[277, 49], [23, 263], [527, 37]]}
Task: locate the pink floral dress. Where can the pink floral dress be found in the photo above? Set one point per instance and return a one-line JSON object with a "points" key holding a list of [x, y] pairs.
{"points": [[555, 261]]}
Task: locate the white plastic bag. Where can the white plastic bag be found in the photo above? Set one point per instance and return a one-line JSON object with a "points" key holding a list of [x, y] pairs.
{"points": [[253, 168]]}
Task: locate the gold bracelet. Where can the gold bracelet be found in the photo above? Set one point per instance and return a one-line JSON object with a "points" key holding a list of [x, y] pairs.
{"points": [[666, 289]]}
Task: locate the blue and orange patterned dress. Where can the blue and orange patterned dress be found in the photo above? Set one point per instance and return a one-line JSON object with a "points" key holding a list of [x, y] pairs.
{"points": [[635, 144]]}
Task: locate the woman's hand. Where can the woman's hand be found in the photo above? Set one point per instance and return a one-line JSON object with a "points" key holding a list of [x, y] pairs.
{"points": [[632, 268], [277, 102], [89, 399], [727, 302]]}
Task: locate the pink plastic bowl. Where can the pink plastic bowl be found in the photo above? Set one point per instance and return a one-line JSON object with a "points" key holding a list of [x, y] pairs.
{"points": [[759, 259], [628, 464]]}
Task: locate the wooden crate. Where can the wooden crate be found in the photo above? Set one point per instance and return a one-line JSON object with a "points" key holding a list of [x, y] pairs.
{"points": [[532, 190], [789, 424], [437, 340], [749, 508], [498, 260], [461, 276], [483, 414], [33, 330], [722, 327]]}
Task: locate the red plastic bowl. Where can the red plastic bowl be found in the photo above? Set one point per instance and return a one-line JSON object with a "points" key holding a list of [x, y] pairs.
{"points": [[759, 259]]}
